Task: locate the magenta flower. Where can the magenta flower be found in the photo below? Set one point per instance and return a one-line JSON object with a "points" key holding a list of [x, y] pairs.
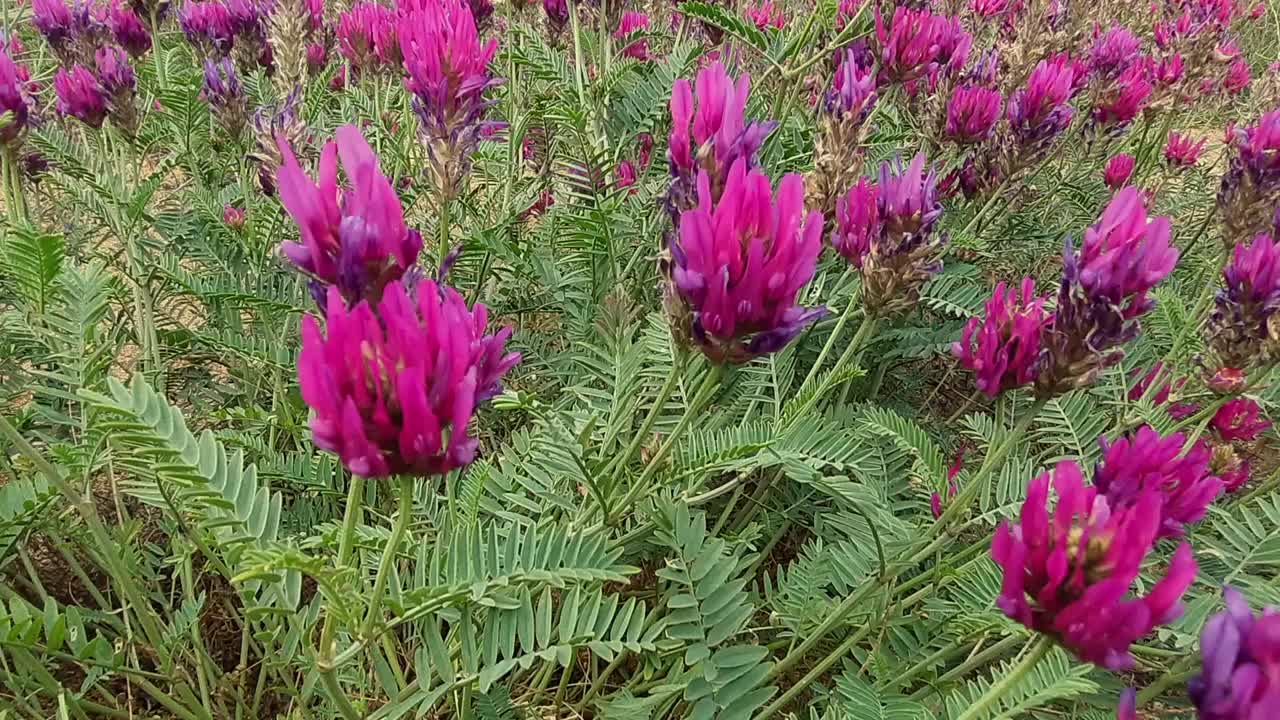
{"points": [[119, 83], [1181, 151], [846, 11], [916, 43], [972, 113], [1002, 348], [1234, 471], [359, 245], [317, 57], [907, 252], [225, 95], [1127, 708], [857, 222], [626, 175], [935, 500], [631, 24], [1104, 291], [1239, 419], [1239, 328], [1251, 186], [367, 37], [1237, 77], [739, 262], [1113, 51], [80, 95], [1068, 570], [1240, 663], [1117, 170], [853, 88], [208, 26], [712, 137], [392, 391], [987, 9], [1122, 102], [1177, 411], [233, 217], [1168, 71], [15, 106], [557, 12], [448, 71], [1143, 463], [1038, 111], [765, 15], [128, 30], [53, 19]]}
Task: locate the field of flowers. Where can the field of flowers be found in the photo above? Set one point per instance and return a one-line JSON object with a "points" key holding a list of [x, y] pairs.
{"points": [[851, 360]]}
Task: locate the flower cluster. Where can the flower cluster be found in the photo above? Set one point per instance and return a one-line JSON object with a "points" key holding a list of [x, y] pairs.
{"points": [[630, 25], [1121, 101], [738, 263], [857, 222], [710, 137], [367, 37], [1117, 170], [1039, 111], [1114, 51], [1002, 347], [1239, 419], [128, 30], [393, 385], [1242, 333], [74, 33], [1250, 188], [1143, 463], [226, 96], [972, 113], [119, 86], [917, 43], [1240, 663], [837, 155], [906, 251], [80, 95], [208, 27], [1104, 291], [766, 15], [15, 106], [270, 123], [359, 245], [448, 73], [557, 13], [1180, 151], [1068, 570]]}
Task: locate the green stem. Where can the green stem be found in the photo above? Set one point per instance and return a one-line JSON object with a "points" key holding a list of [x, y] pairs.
{"points": [[865, 329], [443, 228], [618, 463], [704, 392], [1180, 671], [993, 459], [971, 664], [404, 514], [831, 341], [325, 663], [1038, 649], [796, 688]]}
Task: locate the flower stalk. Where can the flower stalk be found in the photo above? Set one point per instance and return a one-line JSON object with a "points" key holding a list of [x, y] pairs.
{"points": [[1033, 655]]}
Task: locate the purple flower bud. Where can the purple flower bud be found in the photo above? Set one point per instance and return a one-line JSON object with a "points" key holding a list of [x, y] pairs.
{"points": [[557, 12], [225, 95], [1181, 151], [128, 30], [1239, 419], [1104, 291], [739, 262], [1117, 170], [907, 252], [392, 391], [972, 113], [53, 19], [1127, 709], [80, 95], [448, 74], [765, 15], [367, 37], [1143, 463], [917, 43], [1233, 470], [360, 245], [208, 26], [1002, 348], [1251, 186], [1240, 332], [853, 89], [1113, 51], [711, 137], [633, 23], [1237, 77], [1069, 568], [1240, 663], [626, 175], [1123, 100], [15, 107], [857, 222], [233, 217], [114, 72], [1038, 111], [987, 9]]}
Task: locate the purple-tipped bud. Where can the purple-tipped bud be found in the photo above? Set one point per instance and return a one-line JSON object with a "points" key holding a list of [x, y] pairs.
{"points": [[987, 9], [1240, 663], [1069, 568], [1251, 186], [1002, 347], [1241, 332], [1104, 292], [1145, 463], [1113, 51], [711, 136], [557, 12], [626, 175], [448, 74], [853, 89], [907, 252], [1181, 151], [1038, 111], [739, 262], [128, 30], [1239, 419], [233, 217], [15, 107], [1127, 708], [1237, 77], [360, 245], [367, 37], [972, 113], [1125, 98], [392, 391], [80, 95], [857, 222], [119, 82], [208, 26], [765, 15], [1117, 170], [631, 24], [225, 95], [53, 19]]}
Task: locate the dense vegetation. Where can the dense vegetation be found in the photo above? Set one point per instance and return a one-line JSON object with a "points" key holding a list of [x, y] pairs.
{"points": [[435, 359]]}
